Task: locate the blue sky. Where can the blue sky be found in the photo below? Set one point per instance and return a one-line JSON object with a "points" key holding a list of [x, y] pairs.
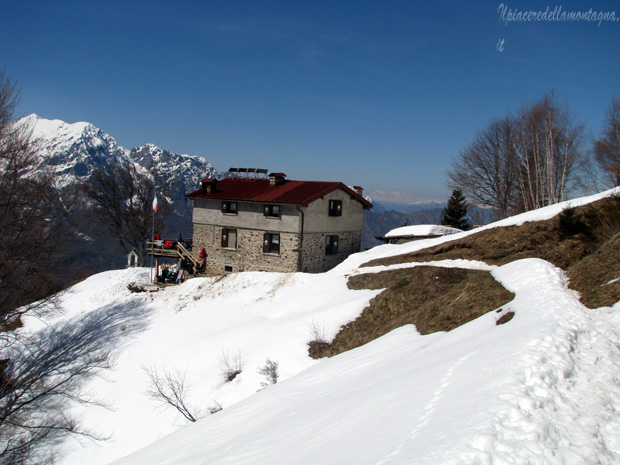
{"points": [[374, 93]]}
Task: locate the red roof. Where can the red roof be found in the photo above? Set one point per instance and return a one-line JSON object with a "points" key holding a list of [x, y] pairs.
{"points": [[259, 190]]}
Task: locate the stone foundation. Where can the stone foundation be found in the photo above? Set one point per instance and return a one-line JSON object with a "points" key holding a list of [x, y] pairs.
{"points": [[314, 258], [249, 256]]}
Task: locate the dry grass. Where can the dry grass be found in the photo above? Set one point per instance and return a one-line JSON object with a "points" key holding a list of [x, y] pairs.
{"points": [[585, 242], [433, 299]]}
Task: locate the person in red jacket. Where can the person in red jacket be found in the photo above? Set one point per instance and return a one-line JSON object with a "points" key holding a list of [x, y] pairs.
{"points": [[202, 262]]}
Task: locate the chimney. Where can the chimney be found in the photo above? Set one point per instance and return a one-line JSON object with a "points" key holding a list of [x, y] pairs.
{"points": [[208, 185], [358, 190], [275, 179]]}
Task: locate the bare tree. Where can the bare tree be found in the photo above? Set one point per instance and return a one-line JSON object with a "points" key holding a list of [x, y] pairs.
{"points": [[32, 219], [549, 150], [485, 169], [40, 374], [523, 162], [123, 200], [607, 147], [170, 389]]}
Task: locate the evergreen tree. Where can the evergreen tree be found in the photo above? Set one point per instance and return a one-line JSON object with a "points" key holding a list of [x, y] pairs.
{"points": [[455, 214]]}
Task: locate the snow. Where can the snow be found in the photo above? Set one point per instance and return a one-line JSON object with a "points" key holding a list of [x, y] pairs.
{"points": [[49, 129], [543, 388], [422, 230]]}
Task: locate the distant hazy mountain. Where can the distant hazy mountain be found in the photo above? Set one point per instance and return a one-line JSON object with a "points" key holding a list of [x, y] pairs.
{"points": [[401, 198]]}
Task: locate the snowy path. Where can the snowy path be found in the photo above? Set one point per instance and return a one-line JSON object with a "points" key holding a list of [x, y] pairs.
{"points": [[564, 405]]}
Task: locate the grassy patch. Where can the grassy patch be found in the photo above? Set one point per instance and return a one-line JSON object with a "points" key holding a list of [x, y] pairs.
{"points": [[432, 298]]}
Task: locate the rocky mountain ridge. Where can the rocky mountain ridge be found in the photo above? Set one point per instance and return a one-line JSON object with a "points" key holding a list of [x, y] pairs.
{"points": [[75, 151]]}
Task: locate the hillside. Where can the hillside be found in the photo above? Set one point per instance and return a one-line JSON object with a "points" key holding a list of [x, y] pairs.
{"points": [[583, 241], [541, 388]]}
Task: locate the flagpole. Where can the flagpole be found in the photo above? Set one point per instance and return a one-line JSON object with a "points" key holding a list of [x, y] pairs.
{"points": [[153, 237]]}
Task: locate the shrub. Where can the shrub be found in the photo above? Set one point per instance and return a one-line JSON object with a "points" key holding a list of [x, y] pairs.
{"points": [[605, 217], [231, 365], [318, 346], [570, 224], [216, 407], [270, 372], [317, 349]]}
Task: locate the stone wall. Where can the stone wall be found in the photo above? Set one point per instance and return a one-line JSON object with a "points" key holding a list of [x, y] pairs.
{"points": [[248, 255], [314, 259]]}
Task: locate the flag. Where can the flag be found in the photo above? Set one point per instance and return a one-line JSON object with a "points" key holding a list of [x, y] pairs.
{"points": [[155, 203]]}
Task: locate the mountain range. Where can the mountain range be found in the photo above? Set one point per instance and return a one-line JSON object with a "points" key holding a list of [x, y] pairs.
{"points": [[75, 151]]}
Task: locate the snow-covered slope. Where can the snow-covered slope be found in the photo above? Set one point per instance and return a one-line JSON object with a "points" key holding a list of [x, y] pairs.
{"points": [[542, 389]]}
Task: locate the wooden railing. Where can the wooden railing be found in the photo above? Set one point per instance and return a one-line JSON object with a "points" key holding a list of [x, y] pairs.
{"points": [[174, 250]]}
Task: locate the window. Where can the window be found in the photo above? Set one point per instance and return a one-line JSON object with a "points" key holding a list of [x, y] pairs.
{"points": [[272, 211], [229, 238], [335, 207], [229, 207], [271, 243], [331, 245]]}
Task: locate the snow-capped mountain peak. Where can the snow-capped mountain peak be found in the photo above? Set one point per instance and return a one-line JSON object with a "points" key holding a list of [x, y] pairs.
{"points": [[75, 150]]}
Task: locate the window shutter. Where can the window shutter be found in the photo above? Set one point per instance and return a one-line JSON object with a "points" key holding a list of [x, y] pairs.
{"points": [[224, 237], [266, 210], [266, 243], [224, 207]]}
